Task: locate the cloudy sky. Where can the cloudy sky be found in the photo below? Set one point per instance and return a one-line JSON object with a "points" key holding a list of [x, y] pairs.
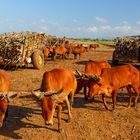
{"points": [[72, 18]]}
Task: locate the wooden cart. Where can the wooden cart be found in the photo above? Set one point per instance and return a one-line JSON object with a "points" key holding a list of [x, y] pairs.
{"points": [[22, 49], [127, 50]]}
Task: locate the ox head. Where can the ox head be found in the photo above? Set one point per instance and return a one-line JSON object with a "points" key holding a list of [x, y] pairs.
{"points": [[97, 86], [49, 100], [4, 99], [93, 84]]}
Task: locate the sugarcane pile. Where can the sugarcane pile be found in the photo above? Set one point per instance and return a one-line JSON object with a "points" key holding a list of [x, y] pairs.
{"points": [[54, 41], [128, 48], [14, 47]]}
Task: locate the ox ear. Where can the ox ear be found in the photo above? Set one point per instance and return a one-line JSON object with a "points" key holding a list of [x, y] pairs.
{"points": [[11, 96]]}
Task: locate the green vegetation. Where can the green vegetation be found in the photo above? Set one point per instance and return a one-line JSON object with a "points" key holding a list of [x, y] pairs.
{"points": [[89, 41]]}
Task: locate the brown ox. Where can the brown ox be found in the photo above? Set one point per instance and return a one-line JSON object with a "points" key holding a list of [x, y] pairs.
{"points": [[47, 51], [4, 95], [113, 79], [61, 51], [94, 46], [57, 84], [78, 50], [91, 68]]}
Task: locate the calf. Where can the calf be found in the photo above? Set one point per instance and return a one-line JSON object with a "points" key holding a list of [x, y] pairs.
{"points": [[48, 51], [78, 50], [61, 51], [113, 79], [94, 46], [57, 84]]}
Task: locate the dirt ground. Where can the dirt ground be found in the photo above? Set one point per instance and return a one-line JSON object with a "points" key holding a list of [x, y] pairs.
{"points": [[90, 120]]}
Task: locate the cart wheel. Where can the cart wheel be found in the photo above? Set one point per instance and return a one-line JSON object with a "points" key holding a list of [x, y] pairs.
{"points": [[38, 59]]}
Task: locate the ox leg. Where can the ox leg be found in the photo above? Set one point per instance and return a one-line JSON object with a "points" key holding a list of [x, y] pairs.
{"points": [[79, 56], [54, 57], [71, 95], [105, 104], [75, 56], [63, 57], [6, 114], [59, 117], [2, 116], [130, 96], [85, 91], [69, 109], [136, 97], [114, 95]]}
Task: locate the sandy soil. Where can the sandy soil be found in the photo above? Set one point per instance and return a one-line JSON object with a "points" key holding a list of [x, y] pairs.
{"points": [[90, 119]]}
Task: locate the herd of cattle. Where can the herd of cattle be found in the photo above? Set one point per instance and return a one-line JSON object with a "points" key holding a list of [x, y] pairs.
{"points": [[99, 77], [65, 49]]}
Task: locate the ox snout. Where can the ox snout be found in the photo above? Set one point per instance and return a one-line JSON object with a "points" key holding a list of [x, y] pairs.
{"points": [[49, 123]]}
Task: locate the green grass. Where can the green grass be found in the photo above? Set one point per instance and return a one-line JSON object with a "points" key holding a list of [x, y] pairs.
{"points": [[89, 41]]}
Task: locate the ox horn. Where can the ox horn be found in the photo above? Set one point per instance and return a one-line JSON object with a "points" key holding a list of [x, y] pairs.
{"points": [[37, 94], [94, 77], [77, 73], [50, 93], [8, 95], [2, 95], [11, 95], [56, 95]]}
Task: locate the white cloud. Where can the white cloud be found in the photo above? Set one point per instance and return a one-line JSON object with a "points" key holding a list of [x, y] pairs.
{"points": [[44, 28], [75, 20], [54, 23], [125, 23], [43, 21], [110, 31], [92, 29], [124, 28], [101, 20], [103, 30], [106, 27], [138, 22]]}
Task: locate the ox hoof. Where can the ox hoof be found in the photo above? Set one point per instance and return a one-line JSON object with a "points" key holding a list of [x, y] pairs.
{"points": [[108, 109], [128, 106], [69, 120], [49, 123], [135, 107], [60, 130], [114, 110]]}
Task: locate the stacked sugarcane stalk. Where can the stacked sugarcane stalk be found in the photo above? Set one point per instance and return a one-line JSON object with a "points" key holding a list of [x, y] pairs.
{"points": [[54, 41], [15, 47], [128, 47]]}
